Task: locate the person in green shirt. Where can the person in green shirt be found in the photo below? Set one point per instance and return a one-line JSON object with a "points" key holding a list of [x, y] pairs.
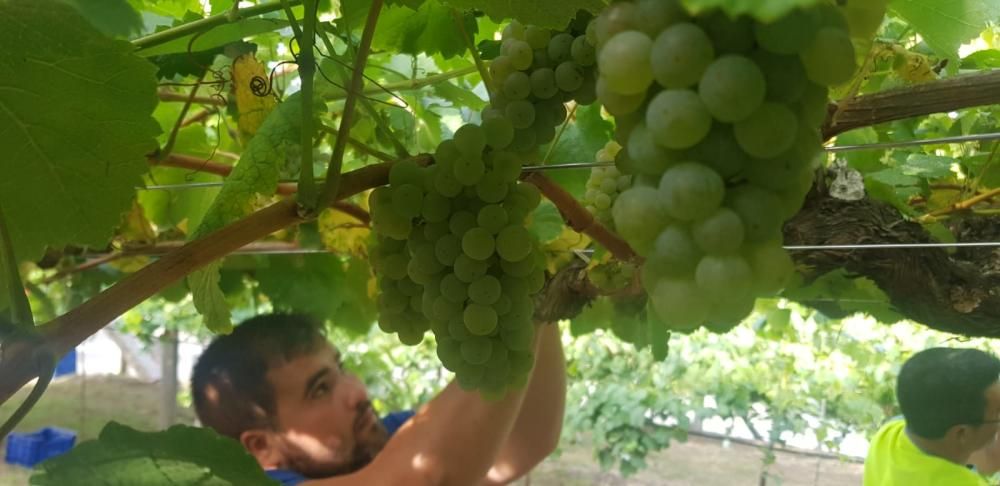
{"points": [[950, 399]]}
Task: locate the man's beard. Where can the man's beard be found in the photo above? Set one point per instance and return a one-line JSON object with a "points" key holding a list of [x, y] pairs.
{"points": [[368, 443]]}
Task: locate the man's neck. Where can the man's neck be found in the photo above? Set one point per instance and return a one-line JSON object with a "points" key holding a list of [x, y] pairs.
{"points": [[938, 449]]}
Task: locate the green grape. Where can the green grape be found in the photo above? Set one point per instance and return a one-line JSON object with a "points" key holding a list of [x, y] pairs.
{"points": [[470, 141], [446, 153], [435, 207], [409, 287], [469, 170], [391, 224], [446, 184], [544, 133], [454, 289], [759, 210], [586, 94], [720, 151], [541, 60], [829, 59], [521, 114], [724, 277], [502, 306], [444, 309], [680, 55], [514, 243], [649, 157], [677, 119], [537, 37], [461, 221], [514, 30], [521, 268], [679, 303], [785, 77], [732, 87], [492, 188], [536, 281], [485, 290], [478, 243], [768, 132], [425, 261], [519, 339], [457, 329], [407, 200], [517, 86], [543, 83], [405, 172], [492, 217], [520, 54], [674, 253], [500, 68], [730, 36], [624, 62], [691, 191], [569, 76], [639, 216], [447, 248], [531, 195], [788, 34], [524, 140], [469, 270], [392, 300], [727, 314], [394, 266], [653, 16], [559, 47], [434, 231], [470, 377], [583, 52], [616, 103], [618, 17], [506, 164], [771, 265], [813, 105], [476, 350], [721, 233]]}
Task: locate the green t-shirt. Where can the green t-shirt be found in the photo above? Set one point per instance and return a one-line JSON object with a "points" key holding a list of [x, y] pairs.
{"points": [[893, 460]]}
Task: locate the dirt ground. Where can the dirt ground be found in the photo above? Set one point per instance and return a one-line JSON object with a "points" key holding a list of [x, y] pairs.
{"points": [[85, 405]]}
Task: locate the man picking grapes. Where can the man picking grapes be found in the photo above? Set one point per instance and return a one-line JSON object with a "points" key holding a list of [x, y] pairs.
{"points": [[950, 399], [279, 387]]}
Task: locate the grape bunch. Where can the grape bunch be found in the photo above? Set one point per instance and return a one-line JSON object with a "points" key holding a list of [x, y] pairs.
{"points": [[719, 118], [454, 256], [604, 185], [537, 71]]}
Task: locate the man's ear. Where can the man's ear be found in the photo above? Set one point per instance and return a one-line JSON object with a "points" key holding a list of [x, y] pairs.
{"points": [[263, 446]]}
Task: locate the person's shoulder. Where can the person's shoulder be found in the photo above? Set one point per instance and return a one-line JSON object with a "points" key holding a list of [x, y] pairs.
{"points": [[285, 477]]}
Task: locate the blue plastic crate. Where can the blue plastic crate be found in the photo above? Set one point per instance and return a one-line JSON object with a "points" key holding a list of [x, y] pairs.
{"points": [[67, 365], [31, 448]]}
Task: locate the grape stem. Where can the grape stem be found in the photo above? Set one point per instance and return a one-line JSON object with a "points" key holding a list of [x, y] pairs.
{"points": [[578, 218], [206, 24], [330, 188], [480, 65]]}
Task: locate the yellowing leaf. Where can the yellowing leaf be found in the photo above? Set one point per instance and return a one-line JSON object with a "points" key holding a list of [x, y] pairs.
{"points": [[135, 227], [254, 101], [343, 233]]}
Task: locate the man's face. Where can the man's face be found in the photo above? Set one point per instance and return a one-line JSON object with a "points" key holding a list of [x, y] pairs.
{"points": [[986, 434], [325, 424]]}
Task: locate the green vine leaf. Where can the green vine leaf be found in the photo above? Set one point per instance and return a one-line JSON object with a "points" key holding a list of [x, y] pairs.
{"points": [[62, 181], [553, 15], [115, 18], [255, 173], [763, 10], [428, 29], [123, 456], [947, 25]]}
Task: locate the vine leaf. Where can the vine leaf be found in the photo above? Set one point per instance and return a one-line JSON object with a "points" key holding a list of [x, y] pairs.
{"points": [[62, 181], [763, 10], [114, 18], [553, 15], [256, 173], [947, 25], [180, 455]]}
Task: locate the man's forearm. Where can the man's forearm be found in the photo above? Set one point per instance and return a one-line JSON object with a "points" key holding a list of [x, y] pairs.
{"points": [[538, 427]]}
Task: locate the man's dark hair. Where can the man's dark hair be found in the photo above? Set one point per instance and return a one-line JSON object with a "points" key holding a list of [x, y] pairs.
{"points": [[939, 388], [229, 381]]}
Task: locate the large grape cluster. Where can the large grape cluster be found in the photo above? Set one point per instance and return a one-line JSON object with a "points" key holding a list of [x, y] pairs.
{"points": [[719, 118], [537, 71], [454, 256]]}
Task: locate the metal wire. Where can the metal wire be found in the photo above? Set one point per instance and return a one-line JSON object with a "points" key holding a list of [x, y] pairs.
{"points": [[880, 246]]}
